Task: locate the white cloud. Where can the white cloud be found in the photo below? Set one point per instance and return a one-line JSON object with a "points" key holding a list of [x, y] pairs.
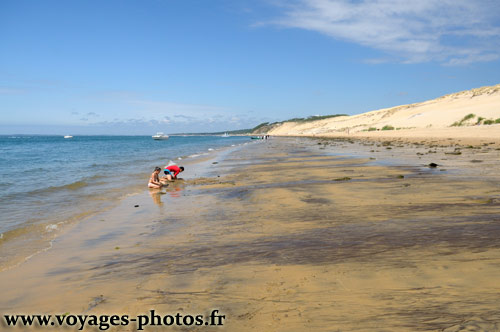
{"points": [[133, 104], [447, 31], [137, 109], [166, 120]]}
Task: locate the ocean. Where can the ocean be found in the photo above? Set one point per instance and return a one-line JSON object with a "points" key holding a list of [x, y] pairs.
{"points": [[49, 181]]}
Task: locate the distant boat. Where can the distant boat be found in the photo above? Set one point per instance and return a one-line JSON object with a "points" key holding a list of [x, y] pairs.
{"points": [[68, 136], [225, 135], [160, 136]]}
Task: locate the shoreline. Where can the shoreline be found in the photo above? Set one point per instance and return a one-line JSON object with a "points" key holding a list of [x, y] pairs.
{"points": [[291, 234], [27, 240]]}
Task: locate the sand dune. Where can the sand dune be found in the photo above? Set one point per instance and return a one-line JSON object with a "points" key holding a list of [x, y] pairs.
{"points": [[433, 118]]}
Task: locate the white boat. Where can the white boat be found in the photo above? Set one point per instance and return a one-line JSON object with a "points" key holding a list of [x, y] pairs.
{"points": [[225, 135], [68, 136], [159, 136]]}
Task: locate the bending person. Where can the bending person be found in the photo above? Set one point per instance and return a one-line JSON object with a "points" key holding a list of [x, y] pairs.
{"points": [[172, 171]]}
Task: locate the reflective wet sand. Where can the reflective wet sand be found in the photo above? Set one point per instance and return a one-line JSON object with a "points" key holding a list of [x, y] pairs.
{"points": [[291, 235]]}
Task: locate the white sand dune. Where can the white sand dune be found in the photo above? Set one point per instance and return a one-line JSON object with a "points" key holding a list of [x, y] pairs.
{"points": [[433, 118]]}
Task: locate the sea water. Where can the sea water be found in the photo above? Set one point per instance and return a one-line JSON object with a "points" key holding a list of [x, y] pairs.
{"points": [[46, 181]]}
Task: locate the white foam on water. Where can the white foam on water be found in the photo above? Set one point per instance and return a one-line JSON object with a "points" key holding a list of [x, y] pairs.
{"points": [[29, 257], [51, 227], [210, 149], [179, 158], [48, 228]]}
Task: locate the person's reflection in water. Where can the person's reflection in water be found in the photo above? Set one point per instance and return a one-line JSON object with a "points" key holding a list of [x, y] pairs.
{"points": [[175, 192], [156, 196]]}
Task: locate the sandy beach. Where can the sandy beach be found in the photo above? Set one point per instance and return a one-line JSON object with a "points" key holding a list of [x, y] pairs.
{"points": [[291, 234], [472, 115], [250, 166]]}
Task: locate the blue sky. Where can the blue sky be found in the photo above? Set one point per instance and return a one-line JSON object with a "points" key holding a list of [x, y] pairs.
{"points": [[137, 67]]}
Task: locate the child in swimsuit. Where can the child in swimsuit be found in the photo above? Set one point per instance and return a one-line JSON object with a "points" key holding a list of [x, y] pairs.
{"points": [[154, 180]]}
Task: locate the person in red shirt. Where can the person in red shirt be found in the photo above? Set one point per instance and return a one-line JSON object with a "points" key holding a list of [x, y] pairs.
{"points": [[172, 171]]}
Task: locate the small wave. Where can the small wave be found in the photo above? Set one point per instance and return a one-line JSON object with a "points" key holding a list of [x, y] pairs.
{"points": [[70, 186], [50, 228], [5, 184], [179, 158], [27, 258], [97, 165], [51, 243], [30, 239], [193, 155], [210, 149], [73, 186], [95, 177]]}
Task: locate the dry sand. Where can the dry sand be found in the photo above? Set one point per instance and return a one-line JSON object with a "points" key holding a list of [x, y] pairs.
{"points": [[292, 235], [429, 119]]}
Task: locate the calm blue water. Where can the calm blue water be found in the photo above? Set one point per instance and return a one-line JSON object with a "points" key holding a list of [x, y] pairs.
{"points": [[47, 179]]}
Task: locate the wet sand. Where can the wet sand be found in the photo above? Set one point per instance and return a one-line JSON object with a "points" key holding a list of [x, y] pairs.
{"points": [[292, 235]]}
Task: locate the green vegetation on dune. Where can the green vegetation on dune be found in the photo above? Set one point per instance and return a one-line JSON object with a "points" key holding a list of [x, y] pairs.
{"points": [[314, 118], [260, 126], [266, 126], [263, 128], [468, 116], [480, 121], [461, 122]]}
